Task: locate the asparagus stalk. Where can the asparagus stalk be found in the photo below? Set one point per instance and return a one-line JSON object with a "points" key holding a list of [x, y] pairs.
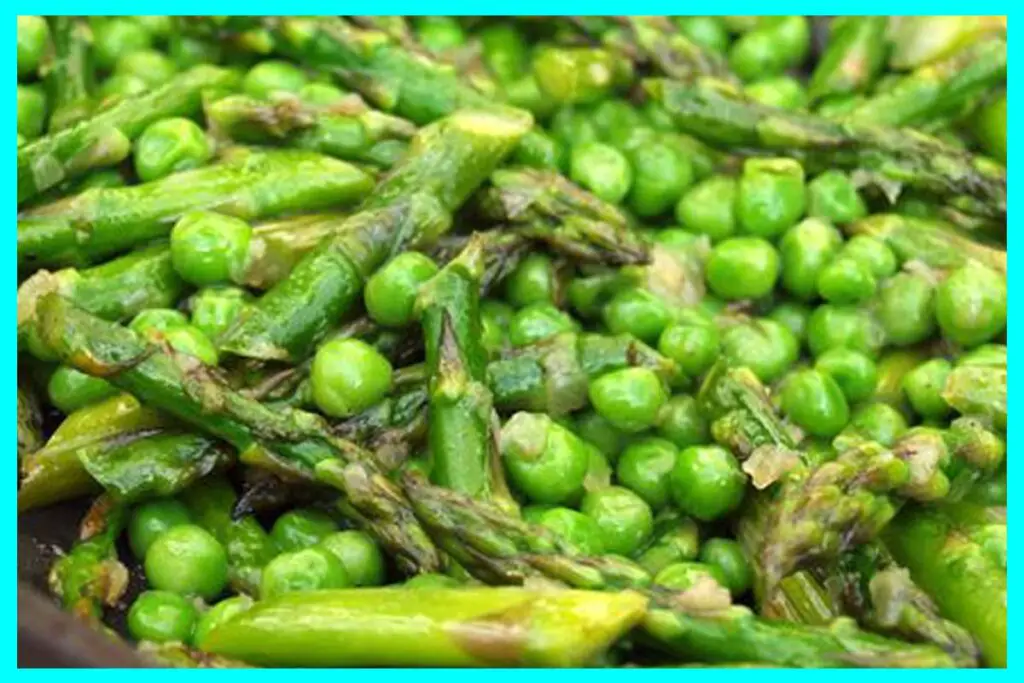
{"points": [[978, 390], [853, 58], [105, 139], [30, 436], [658, 41], [181, 656], [67, 72]]}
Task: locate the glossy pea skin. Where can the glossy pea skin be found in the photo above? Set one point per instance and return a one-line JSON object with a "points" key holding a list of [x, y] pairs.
{"points": [[644, 468], [575, 528], [855, 373], [209, 248], [623, 517], [268, 77], [682, 576], [348, 376], [157, 320], [538, 321], [850, 327], [742, 268], [815, 403], [150, 66], [115, 38], [923, 388], [152, 518], [693, 347], [574, 126], [188, 560], [878, 422], [505, 50], [161, 617], [214, 309], [988, 124], [707, 482], [31, 111], [309, 569], [532, 281], [637, 312], [771, 197], [793, 316], [33, 39], [169, 146], [970, 305], [846, 281], [661, 173], [601, 434], [588, 294], [303, 528], [602, 169], [905, 309], [217, 615], [783, 92], [726, 555], [494, 323], [360, 556], [190, 341], [707, 32], [545, 462], [833, 196], [804, 250], [763, 345], [439, 34], [682, 422], [707, 208], [188, 51], [617, 122], [630, 399], [69, 389], [873, 254], [772, 46], [390, 293]]}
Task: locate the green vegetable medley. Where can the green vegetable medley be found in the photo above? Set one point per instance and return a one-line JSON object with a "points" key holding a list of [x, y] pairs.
{"points": [[567, 341]]}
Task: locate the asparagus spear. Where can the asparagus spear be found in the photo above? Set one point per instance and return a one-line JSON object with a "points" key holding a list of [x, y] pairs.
{"points": [[247, 184], [105, 139], [887, 156], [978, 390], [853, 58], [412, 205], [67, 72], [181, 656], [30, 437], [658, 41]]}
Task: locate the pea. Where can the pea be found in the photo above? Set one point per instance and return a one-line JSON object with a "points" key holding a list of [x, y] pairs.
{"points": [[793, 316], [157, 320], [536, 322], [532, 281], [815, 403], [69, 389], [218, 614], [572, 126], [906, 309], [637, 312], [190, 341], [846, 281], [600, 433], [630, 399], [988, 124], [970, 305], [783, 92], [707, 208], [854, 372], [657, 116], [872, 253], [742, 268], [115, 38], [602, 169], [707, 482], [348, 376], [31, 111], [707, 32], [575, 528], [682, 576], [151, 519], [505, 50], [771, 196], [546, 462], [170, 146], [303, 528], [682, 422], [804, 250], [158, 26], [833, 197], [309, 569], [616, 122], [923, 387], [321, 94], [661, 173], [624, 519], [494, 324], [579, 75], [644, 468], [271, 76], [215, 309], [209, 248], [763, 345], [726, 555], [772, 46], [161, 617], [150, 66], [848, 327], [359, 555], [440, 34], [693, 347], [390, 293], [878, 422], [187, 560], [33, 39], [123, 85]]}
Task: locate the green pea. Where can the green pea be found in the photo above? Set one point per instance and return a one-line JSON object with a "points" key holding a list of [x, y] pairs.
{"points": [[771, 196], [657, 117], [726, 555], [644, 468], [120, 86], [215, 309], [707, 32], [602, 169], [359, 554], [151, 519], [616, 121], [872, 253], [440, 34], [169, 146], [855, 373], [682, 422], [804, 250], [210, 248], [637, 312], [150, 66], [303, 528], [682, 576], [189, 51], [494, 323], [970, 305], [31, 111], [661, 173], [923, 387], [390, 293], [532, 281], [310, 569], [546, 462], [832, 326], [154, 321], [630, 399], [707, 482], [533, 513], [988, 123], [575, 528], [321, 94], [348, 376], [707, 208], [69, 389], [772, 46], [833, 196], [161, 617], [846, 281], [793, 316], [783, 92], [693, 347], [579, 75], [158, 26], [762, 345], [600, 433], [815, 403], [33, 40], [220, 613], [623, 517], [878, 422], [505, 50], [906, 309], [269, 77], [742, 268], [115, 38], [188, 560], [538, 321], [572, 126], [431, 581], [190, 341]]}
